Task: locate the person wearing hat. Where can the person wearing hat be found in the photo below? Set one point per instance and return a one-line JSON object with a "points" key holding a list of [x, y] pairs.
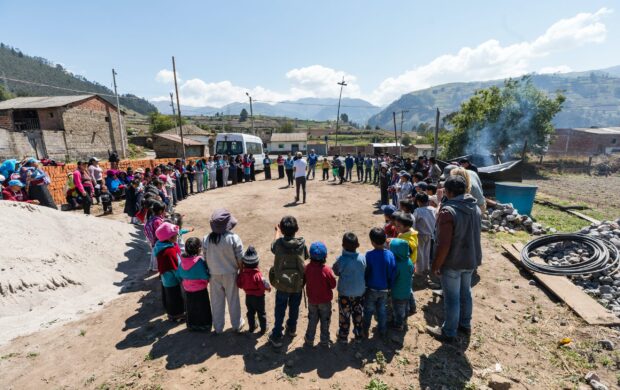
{"points": [[15, 192], [223, 252], [403, 188], [168, 254], [299, 168], [252, 282], [458, 254], [388, 214], [194, 274], [320, 281]]}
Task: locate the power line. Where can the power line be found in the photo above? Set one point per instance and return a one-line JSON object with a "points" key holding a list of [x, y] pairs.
{"points": [[71, 90]]}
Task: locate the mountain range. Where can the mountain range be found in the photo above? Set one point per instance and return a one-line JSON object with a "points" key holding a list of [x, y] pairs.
{"points": [[319, 109], [592, 99]]}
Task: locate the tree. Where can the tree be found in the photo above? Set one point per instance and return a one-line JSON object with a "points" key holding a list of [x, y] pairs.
{"points": [[405, 140], [160, 122], [286, 127], [368, 127], [499, 120], [344, 118], [5, 94], [377, 127], [243, 116]]}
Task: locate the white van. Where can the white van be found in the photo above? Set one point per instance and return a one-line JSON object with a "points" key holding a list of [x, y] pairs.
{"points": [[234, 144]]}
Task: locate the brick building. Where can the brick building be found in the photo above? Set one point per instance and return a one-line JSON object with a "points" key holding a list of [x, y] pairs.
{"points": [[59, 127], [169, 145], [585, 141]]}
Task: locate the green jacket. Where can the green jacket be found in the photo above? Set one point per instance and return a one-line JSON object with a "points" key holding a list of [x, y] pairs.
{"points": [[401, 289], [287, 273]]}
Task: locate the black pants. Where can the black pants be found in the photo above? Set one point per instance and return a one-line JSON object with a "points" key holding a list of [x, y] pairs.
{"points": [[360, 173], [86, 203], [256, 307], [341, 174], [190, 178], [280, 171], [184, 186], [267, 173], [289, 176], [219, 178], [98, 191], [198, 310], [384, 196], [368, 176], [179, 190], [252, 173], [239, 175], [325, 173], [107, 207], [300, 182]]}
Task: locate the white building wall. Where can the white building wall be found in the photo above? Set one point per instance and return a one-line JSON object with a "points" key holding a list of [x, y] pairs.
{"points": [[286, 146]]}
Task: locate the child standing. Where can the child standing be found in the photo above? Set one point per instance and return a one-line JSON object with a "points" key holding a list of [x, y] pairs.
{"points": [[106, 199], [320, 281], [350, 268], [287, 276], [401, 289], [388, 214], [380, 275], [404, 223], [424, 219], [194, 274], [168, 256], [325, 167], [254, 284], [154, 219]]}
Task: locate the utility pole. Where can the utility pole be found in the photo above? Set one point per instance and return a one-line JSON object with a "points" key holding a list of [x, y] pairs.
{"points": [[402, 115], [173, 110], [342, 85], [436, 133], [176, 89], [251, 113], [120, 121], [395, 132]]}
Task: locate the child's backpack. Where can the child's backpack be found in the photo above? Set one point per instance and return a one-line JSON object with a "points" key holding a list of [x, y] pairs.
{"points": [[289, 278]]}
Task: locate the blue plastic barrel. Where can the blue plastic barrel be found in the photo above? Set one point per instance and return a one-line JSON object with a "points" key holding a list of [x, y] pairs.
{"points": [[520, 195]]}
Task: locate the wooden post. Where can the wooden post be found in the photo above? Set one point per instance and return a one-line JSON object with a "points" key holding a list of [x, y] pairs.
{"points": [[436, 141], [590, 166], [176, 89], [524, 151]]}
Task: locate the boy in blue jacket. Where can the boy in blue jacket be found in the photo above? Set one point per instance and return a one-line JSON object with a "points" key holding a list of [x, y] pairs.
{"points": [[350, 267], [401, 289], [380, 276]]}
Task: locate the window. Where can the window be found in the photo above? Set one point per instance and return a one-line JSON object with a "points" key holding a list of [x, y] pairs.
{"points": [[229, 147], [51, 114], [280, 146], [613, 141], [254, 148], [107, 119]]}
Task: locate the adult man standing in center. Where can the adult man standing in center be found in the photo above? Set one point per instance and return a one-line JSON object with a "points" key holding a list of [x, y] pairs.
{"points": [[299, 168], [312, 160]]}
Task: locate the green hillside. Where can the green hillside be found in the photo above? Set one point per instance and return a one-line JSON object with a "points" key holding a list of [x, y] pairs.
{"points": [[592, 99], [16, 65]]}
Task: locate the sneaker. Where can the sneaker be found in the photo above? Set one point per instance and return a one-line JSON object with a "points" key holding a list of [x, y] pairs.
{"points": [[241, 326], [276, 343], [438, 334], [326, 344]]}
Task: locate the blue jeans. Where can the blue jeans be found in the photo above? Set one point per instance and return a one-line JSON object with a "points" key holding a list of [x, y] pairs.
{"points": [[399, 309], [457, 302], [374, 302], [292, 300]]}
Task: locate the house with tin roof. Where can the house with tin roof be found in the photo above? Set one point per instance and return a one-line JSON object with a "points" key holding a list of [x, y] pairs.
{"points": [[287, 142]]}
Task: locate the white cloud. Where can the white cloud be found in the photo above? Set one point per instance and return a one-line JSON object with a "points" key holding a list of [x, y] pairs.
{"points": [[166, 76], [555, 69], [489, 60]]}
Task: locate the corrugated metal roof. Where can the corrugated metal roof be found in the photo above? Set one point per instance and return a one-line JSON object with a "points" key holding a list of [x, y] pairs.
{"points": [[177, 138], [41, 102], [289, 137], [594, 130], [385, 145]]}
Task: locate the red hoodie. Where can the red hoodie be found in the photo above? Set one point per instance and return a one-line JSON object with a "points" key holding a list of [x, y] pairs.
{"points": [[251, 281], [19, 196], [320, 281]]}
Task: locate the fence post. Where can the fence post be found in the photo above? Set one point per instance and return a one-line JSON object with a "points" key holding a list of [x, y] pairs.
{"points": [[590, 166]]}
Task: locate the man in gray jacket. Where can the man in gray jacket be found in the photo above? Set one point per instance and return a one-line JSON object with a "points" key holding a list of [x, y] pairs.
{"points": [[458, 254]]}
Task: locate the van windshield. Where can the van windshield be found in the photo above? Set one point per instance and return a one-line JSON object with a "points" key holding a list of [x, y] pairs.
{"points": [[229, 147]]}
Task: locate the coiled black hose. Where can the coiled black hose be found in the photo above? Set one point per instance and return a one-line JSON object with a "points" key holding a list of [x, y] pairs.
{"points": [[605, 256]]}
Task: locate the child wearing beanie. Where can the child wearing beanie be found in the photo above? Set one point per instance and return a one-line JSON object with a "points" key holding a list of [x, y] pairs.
{"points": [[254, 284], [320, 281]]}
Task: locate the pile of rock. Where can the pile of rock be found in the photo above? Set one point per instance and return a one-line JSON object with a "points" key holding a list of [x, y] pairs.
{"points": [[604, 287], [505, 218]]}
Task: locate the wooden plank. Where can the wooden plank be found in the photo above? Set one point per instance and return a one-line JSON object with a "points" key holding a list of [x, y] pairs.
{"points": [[583, 216], [581, 303]]}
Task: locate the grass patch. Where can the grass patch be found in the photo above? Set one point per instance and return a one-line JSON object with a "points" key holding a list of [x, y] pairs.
{"points": [[376, 384], [32, 355], [9, 355], [82, 332], [148, 357], [560, 220], [591, 212]]}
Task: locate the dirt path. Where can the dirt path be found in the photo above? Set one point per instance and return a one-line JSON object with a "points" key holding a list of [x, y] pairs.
{"points": [[128, 344]]}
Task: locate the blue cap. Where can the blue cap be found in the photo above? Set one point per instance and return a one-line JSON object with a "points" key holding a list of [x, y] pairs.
{"points": [[318, 251], [15, 182], [423, 185], [388, 209]]}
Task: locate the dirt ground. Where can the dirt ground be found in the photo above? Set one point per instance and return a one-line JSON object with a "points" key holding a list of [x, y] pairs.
{"points": [[128, 344]]}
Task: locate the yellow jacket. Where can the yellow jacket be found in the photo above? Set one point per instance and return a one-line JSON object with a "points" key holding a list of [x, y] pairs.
{"points": [[412, 239]]}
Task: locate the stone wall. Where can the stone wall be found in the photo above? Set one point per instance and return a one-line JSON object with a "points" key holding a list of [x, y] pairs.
{"points": [[569, 142]]}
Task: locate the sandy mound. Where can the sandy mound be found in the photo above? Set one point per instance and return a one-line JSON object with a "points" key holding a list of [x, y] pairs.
{"points": [[55, 266]]}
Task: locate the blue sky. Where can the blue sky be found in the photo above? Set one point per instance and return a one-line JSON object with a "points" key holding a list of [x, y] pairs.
{"points": [[290, 49]]}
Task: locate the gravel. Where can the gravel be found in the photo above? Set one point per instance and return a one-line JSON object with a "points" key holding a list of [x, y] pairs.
{"points": [[505, 218]]}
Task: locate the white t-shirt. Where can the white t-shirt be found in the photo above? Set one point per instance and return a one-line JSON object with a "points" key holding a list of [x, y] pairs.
{"points": [[300, 167]]}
